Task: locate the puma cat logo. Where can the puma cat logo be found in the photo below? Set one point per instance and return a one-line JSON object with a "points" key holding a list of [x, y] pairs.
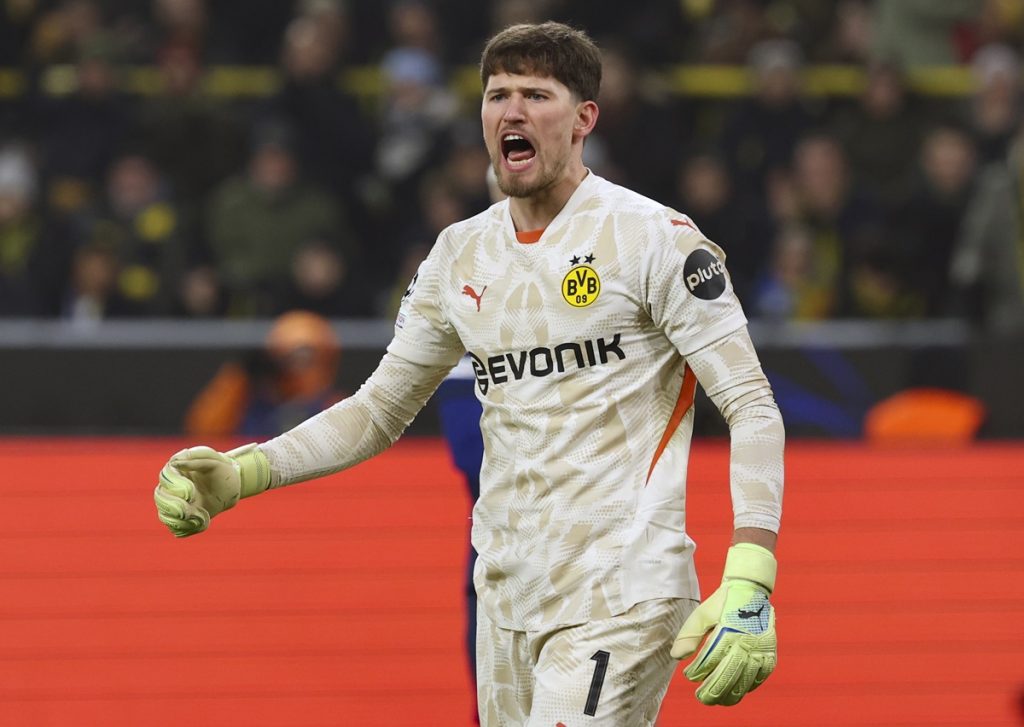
{"points": [[468, 290]]}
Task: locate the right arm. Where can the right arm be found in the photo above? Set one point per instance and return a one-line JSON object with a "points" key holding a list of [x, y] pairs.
{"points": [[357, 428], [199, 483]]}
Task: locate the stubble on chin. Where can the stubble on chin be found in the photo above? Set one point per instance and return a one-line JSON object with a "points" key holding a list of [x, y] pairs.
{"points": [[511, 186]]}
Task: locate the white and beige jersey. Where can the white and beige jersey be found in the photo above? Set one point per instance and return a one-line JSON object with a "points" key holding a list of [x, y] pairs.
{"points": [[586, 347]]}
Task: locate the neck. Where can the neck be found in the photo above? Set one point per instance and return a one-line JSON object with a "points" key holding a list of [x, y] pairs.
{"points": [[536, 211]]}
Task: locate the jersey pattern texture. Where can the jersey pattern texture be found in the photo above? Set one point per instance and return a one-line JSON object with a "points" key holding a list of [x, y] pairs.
{"points": [[578, 345]]}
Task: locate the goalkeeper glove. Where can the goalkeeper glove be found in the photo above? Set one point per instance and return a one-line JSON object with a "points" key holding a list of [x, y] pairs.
{"points": [[740, 653], [199, 483]]}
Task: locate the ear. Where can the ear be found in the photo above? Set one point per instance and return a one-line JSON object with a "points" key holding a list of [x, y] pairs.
{"points": [[586, 118]]}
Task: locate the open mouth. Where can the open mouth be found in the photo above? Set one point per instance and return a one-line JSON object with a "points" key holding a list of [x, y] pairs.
{"points": [[517, 150]]}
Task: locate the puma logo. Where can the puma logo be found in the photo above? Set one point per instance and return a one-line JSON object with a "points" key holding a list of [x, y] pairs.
{"points": [[468, 290], [750, 614], [683, 223]]}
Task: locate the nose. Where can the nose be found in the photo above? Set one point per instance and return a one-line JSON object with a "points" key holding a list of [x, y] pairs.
{"points": [[514, 108]]}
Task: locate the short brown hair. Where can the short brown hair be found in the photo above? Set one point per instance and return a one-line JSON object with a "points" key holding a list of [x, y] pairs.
{"points": [[549, 49]]}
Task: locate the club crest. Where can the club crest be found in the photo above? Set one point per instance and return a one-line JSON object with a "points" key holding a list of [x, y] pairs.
{"points": [[581, 285]]}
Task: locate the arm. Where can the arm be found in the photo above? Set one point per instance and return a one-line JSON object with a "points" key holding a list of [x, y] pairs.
{"points": [[357, 428], [731, 375], [199, 483], [688, 294], [740, 653]]}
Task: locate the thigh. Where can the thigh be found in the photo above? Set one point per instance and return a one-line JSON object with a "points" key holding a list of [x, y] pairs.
{"points": [[504, 674], [609, 672]]}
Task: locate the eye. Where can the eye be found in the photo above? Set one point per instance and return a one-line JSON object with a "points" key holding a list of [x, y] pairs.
{"points": [[497, 97], [537, 96]]}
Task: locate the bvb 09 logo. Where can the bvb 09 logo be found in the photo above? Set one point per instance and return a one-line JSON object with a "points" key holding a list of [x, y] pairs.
{"points": [[581, 286]]}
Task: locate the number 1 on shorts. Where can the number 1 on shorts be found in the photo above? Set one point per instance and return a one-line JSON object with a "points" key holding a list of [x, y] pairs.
{"points": [[601, 657]]}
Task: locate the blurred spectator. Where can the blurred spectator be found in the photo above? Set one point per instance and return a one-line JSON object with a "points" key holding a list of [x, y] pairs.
{"points": [[289, 380], [200, 294], [354, 170], [987, 265], [32, 266], [412, 24], [995, 105], [833, 31], [655, 31], [17, 21], [510, 12], [764, 129], [193, 137], [181, 23], [916, 33], [1000, 21], [442, 205], [882, 133], [847, 39], [62, 33], [333, 17], [844, 224], [93, 295], [250, 31], [257, 222], [142, 233], [741, 226], [799, 284], [222, 32], [81, 132], [629, 113], [730, 30], [467, 155], [416, 119], [323, 282], [927, 227], [333, 142]]}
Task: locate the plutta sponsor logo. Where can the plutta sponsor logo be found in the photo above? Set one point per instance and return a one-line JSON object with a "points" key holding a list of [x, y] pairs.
{"points": [[704, 275]]}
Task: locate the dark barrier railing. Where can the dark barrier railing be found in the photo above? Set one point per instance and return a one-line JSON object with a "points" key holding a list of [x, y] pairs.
{"points": [[140, 376]]}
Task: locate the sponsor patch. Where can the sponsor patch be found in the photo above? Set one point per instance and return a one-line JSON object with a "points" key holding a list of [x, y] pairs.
{"points": [[704, 275], [545, 360]]}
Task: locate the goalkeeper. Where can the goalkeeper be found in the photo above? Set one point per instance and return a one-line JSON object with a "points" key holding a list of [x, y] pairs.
{"points": [[590, 314]]}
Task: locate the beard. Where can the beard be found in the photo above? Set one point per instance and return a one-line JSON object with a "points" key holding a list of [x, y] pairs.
{"points": [[512, 185]]}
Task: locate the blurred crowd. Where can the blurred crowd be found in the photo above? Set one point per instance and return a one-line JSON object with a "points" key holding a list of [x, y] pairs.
{"points": [[178, 200]]}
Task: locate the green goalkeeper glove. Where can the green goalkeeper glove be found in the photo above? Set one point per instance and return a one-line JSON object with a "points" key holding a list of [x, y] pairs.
{"points": [[199, 483], [740, 653]]}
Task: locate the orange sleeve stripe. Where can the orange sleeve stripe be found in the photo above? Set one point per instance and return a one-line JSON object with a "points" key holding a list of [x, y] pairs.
{"points": [[529, 236], [683, 404]]}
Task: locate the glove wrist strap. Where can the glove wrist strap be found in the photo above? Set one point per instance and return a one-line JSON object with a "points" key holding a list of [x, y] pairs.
{"points": [[750, 562], [253, 468]]}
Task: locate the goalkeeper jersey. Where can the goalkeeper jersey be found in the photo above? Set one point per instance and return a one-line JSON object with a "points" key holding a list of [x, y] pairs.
{"points": [[578, 345]]}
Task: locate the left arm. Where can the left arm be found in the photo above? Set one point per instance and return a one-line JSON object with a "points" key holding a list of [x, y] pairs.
{"points": [[688, 294], [731, 375], [741, 651]]}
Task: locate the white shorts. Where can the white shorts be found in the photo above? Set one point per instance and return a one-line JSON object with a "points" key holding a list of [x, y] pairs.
{"points": [[614, 671]]}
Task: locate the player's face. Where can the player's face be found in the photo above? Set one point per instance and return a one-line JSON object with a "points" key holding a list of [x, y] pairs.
{"points": [[530, 123]]}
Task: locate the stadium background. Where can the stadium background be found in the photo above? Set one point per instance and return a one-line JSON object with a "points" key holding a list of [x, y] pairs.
{"points": [[339, 602]]}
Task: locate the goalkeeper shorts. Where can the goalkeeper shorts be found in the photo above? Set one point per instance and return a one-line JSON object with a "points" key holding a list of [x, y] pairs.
{"points": [[613, 671]]}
